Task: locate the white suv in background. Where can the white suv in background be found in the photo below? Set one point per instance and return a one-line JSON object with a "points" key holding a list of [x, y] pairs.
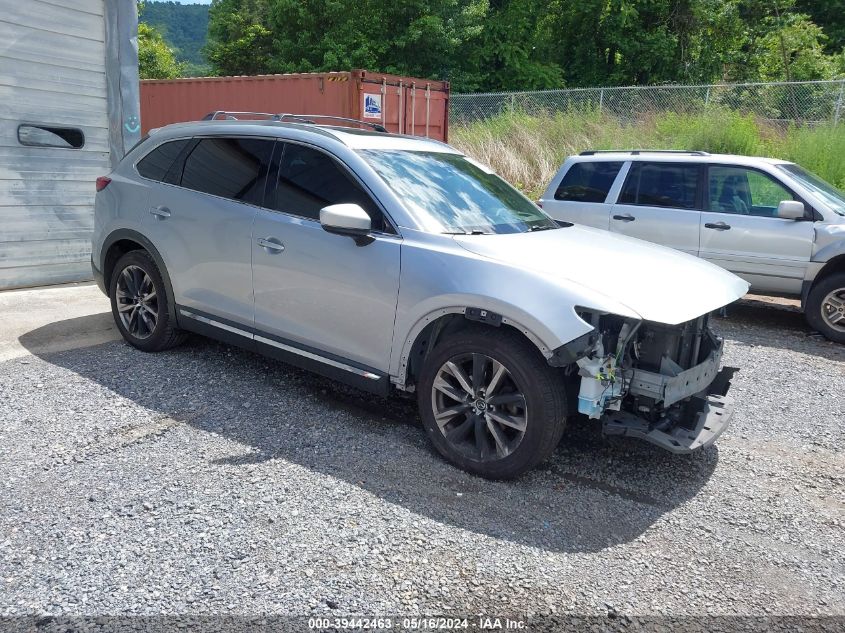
{"points": [[769, 221]]}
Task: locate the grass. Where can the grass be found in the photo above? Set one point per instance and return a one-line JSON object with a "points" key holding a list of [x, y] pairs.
{"points": [[527, 149]]}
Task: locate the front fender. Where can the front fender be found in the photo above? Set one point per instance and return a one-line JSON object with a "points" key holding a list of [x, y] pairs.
{"points": [[448, 280], [830, 242], [541, 336]]}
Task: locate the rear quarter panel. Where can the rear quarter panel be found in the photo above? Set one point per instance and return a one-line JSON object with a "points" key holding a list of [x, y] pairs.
{"points": [[595, 214], [121, 205]]}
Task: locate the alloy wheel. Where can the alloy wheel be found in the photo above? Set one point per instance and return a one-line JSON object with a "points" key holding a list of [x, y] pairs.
{"points": [[137, 302], [833, 309], [478, 407]]}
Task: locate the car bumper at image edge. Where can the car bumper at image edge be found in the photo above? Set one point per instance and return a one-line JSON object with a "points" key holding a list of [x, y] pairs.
{"points": [[98, 277]]}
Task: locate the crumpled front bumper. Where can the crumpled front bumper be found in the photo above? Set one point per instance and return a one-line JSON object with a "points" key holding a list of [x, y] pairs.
{"points": [[712, 416]]}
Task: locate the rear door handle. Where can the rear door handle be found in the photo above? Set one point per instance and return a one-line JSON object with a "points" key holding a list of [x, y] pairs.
{"points": [[160, 212], [624, 218], [271, 244], [719, 226]]}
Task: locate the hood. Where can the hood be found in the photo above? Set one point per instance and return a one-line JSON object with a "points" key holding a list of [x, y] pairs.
{"points": [[658, 283]]}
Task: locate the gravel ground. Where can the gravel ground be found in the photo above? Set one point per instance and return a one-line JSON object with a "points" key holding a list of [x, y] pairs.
{"points": [[208, 480]]}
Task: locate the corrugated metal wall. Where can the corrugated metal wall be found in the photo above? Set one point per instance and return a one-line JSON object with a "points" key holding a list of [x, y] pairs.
{"points": [[52, 72]]}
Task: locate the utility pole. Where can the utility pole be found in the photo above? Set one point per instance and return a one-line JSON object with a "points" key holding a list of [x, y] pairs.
{"points": [[786, 66]]}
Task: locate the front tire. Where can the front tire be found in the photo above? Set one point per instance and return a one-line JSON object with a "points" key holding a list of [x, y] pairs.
{"points": [[139, 304], [825, 309], [490, 403]]}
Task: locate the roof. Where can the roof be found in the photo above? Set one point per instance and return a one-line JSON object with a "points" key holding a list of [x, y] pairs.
{"points": [[673, 156], [351, 137]]}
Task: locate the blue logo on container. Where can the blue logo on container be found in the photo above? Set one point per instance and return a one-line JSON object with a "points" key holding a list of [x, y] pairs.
{"points": [[372, 106]]}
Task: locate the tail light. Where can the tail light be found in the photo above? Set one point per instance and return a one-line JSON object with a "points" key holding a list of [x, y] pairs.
{"points": [[103, 182]]}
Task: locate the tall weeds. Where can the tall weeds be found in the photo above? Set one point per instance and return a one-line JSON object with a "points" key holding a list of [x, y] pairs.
{"points": [[527, 149]]}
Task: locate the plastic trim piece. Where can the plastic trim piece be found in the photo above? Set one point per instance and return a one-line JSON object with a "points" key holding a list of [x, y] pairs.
{"points": [[258, 341], [711, 422]]}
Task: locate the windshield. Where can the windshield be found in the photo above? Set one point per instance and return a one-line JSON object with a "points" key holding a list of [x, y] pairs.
{"points": [[834, 198], [450, 193]]}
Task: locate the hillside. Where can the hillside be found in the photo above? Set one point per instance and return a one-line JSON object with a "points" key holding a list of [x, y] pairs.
{"points": [[184, 27]]}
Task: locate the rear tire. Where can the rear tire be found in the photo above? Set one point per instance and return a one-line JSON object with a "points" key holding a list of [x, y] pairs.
{"points": [[140, 306], [490, 403], [825, 309]]}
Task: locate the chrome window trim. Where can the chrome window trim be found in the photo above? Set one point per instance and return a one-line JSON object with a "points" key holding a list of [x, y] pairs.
{"points": [[321, 359], [218, 324]]}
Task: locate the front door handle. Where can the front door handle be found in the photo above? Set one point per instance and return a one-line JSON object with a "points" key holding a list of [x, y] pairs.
{"points": [[718, 226], [624, 218], [160, 212], [271, 244]]}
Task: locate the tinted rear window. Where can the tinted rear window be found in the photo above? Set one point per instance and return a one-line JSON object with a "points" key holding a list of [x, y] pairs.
{"points": [[233, 168], [588, 182], [661, 185], [155, 164]]}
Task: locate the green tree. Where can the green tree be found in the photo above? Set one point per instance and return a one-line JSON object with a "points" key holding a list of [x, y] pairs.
{"points": [[599, 42], [239, 38], [425, 38], [508, 52], [184, 28], [830, 15], [523, 44], [155, 58], [794, 51]]}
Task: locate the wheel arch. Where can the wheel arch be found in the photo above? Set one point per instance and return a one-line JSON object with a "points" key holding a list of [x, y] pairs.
{"points": [[431, 328], [120, 242], [835, 264]]}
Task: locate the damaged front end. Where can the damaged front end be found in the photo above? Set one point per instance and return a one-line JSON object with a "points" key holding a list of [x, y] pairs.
{"points": [[660, 383]]}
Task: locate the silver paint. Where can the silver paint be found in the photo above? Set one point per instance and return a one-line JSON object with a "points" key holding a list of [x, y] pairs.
{"points": [[367, 302]]}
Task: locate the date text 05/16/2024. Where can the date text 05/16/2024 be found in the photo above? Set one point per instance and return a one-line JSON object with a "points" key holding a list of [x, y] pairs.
{"points": [[479, 622]]}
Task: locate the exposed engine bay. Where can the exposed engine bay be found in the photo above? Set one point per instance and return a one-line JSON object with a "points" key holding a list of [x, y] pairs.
{"points": [[658, 382]]}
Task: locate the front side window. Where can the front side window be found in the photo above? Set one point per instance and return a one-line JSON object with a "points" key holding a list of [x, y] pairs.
{"points": [[834, 197], [744, 191], [310, 180], [672, 185], [450, 193], [155, 164], [234, 168], [588, 182]]}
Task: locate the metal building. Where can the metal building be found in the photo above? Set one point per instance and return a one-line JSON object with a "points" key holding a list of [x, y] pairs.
{"points": [[68, 110]]}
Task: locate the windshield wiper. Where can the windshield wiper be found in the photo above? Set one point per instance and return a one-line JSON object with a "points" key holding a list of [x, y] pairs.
{"points": [[543, 227], [473, 232]]}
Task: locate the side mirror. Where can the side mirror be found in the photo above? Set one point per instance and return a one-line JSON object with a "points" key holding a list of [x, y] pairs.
{"points": [[346, 219], [791, 210]]}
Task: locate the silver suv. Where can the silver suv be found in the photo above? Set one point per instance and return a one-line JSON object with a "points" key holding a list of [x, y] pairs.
{"points": [[771, 222], [393, 262]]}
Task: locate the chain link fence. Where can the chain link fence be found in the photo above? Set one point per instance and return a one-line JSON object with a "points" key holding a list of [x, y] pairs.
{"points": [[810, 102]]}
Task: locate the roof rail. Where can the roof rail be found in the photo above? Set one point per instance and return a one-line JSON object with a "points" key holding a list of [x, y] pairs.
{"points": [[309, 118], [637, 152], [301, 118], [233, 116]]}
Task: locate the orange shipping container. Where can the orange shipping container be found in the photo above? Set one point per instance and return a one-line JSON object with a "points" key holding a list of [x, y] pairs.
{"points": [[407, 105]]}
